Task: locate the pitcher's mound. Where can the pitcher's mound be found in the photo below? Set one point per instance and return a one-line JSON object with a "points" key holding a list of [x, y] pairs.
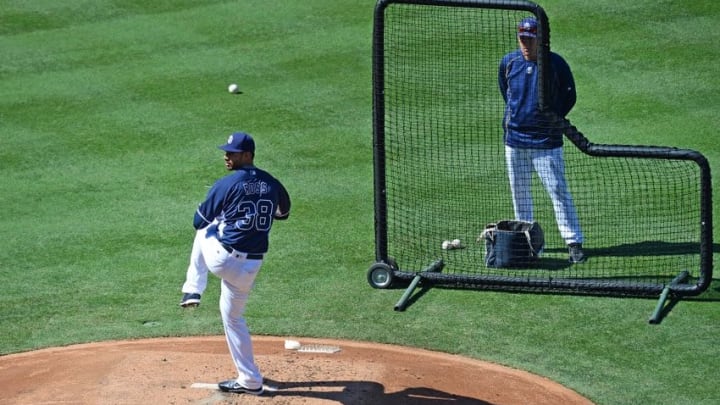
{"points": [[183, 371]]}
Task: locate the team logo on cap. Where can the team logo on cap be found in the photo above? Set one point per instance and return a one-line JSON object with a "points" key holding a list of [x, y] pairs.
{"points": [[230, 139]]}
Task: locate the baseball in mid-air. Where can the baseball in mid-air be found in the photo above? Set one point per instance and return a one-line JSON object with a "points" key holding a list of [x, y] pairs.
{"points": [[447, 245], [233, 88]]}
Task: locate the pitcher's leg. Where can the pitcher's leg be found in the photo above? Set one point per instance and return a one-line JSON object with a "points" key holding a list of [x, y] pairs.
{"points": [[197, 271], [238, 277], [237, 335]]}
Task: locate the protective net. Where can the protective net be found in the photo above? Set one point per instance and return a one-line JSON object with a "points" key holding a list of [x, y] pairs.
{"points": [[441, 172]]}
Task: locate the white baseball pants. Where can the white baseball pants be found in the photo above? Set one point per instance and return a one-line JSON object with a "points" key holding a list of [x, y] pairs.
{"points": [[550, 167], [238, 277]]}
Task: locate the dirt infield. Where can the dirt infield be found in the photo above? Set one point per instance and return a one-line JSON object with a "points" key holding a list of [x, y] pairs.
{"points": [[180, 370]]}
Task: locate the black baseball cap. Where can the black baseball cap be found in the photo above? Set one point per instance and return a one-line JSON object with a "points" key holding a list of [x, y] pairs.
{"points": [[239, 142]]}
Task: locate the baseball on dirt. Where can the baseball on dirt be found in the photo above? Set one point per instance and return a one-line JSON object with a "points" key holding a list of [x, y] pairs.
{"points": [[233, 88]]}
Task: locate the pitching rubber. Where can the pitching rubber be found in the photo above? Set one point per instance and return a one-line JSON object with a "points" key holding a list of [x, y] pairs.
{"points": [[211, 386]]}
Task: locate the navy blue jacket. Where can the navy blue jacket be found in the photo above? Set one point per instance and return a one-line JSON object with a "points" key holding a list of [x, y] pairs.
{"points": [[524, 124], [245, 202]]}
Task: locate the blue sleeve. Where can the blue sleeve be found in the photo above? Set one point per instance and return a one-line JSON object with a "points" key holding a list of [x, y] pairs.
{"points": [[567, 95], [283, 206], [502, 80], [211, 208]]}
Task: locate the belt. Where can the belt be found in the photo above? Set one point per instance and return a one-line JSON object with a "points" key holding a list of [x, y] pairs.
{"points": [[249, 256]]}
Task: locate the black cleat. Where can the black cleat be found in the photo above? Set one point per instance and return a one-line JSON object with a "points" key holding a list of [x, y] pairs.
{"points": [[235, 387], [576, 253], [190, 300]]}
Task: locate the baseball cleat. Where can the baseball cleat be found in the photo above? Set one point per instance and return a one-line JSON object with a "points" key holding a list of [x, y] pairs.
{"points": [[235, 387], [576, 253], [190, 300]]}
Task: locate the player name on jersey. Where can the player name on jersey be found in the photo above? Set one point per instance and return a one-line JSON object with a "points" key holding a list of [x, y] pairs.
{"points": [[255, 187]]}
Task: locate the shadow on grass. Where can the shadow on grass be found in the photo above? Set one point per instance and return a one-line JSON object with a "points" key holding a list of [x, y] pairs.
{"points": [[646, 248]]}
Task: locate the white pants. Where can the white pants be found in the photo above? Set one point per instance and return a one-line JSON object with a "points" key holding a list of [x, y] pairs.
{"points": [[550, 167], [238, 276]]}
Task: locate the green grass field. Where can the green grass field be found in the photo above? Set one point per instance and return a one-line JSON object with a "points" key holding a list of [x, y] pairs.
{"points": [[109, 119]]}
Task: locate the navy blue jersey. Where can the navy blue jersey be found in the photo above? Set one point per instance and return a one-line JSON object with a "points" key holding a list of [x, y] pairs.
{"points": [[524, 124], [245, 203]]}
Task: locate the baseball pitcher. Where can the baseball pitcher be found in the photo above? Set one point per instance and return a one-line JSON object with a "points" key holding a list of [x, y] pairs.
{"points": [[233, 225]]}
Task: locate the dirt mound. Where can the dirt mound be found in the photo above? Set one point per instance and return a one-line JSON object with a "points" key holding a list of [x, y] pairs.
{"points": [[181, 371]]}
